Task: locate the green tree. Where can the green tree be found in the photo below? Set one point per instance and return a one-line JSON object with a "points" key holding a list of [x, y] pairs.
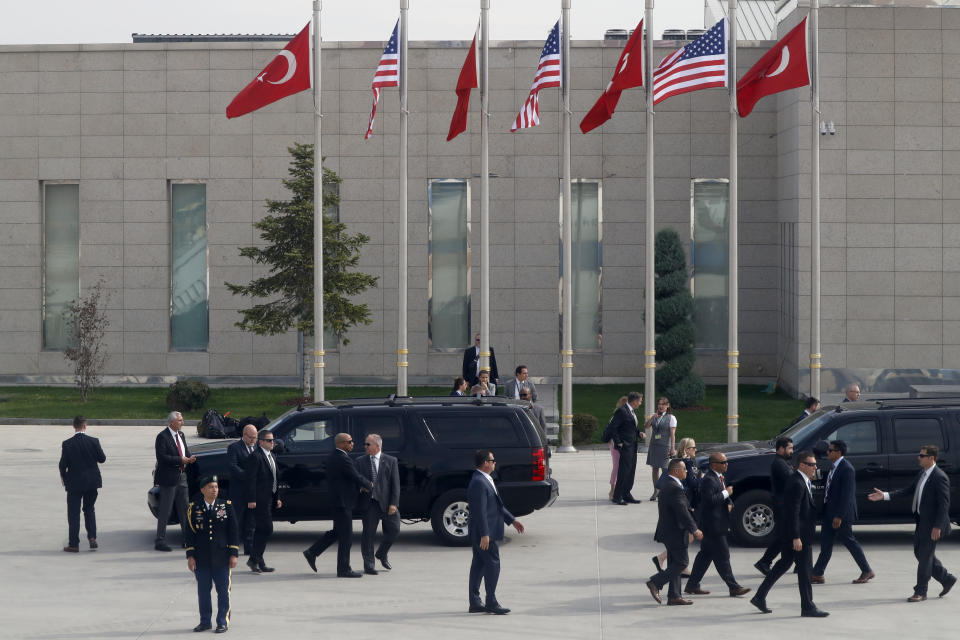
{"points": [[288, 233], [675, 330]]}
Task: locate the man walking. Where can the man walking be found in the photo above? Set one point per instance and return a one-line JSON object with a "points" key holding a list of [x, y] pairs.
{"points": [[80, 475], [931, 508], [237, 454], [625, 432], [839, 514], [780, 472], [170, 476], [382, 505], [262, 497]]}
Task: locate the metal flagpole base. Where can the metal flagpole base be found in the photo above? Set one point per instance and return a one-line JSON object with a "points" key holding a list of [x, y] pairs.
{"points": [[566, 435]]}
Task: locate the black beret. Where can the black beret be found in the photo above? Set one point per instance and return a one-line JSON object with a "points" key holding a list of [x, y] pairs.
{"points": [[205, 480]]}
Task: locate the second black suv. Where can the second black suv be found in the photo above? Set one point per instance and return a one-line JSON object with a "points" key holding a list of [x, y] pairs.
{"points": [[434, 441]]}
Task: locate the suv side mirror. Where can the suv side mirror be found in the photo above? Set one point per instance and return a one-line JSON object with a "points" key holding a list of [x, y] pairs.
{"points": [[278, 445], [820, 448]]}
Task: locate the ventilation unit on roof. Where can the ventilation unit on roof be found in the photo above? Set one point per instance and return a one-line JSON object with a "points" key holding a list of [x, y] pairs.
{"points": [[693, 34], [674, 34], [615, 34]]}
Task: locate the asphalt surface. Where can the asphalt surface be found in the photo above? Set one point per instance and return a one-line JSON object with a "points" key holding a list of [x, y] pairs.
{"points": [[578, 572]]}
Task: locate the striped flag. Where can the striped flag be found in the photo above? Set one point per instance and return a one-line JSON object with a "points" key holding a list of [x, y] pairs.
{"points": [[548, 75], [699, 65], [387, 74]]}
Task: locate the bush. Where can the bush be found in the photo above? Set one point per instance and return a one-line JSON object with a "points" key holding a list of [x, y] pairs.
{"points": [[585, 428], [187, 395]]}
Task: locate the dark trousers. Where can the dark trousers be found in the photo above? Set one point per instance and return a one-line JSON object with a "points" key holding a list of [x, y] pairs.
{"points": [[262, 522], [677, 561], [341, 532], [486, 566], [74, 500], [803, 561], [773, 549], [713, 548], [246, 524], [173, 497], [928, 565], [391, 529], [626, 471], [845, 535], [208, 577]]}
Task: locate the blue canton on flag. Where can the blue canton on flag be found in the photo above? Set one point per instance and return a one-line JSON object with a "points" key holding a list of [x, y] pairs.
{"points": [[548, 75], [387, 74], [699, 65]]}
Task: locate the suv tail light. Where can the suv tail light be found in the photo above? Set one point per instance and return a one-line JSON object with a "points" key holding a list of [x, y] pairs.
{"points": [[539, 465]]}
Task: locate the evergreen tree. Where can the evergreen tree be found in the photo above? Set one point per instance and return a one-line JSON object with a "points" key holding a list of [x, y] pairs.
{"points": [[675, 330], [288, 232]]}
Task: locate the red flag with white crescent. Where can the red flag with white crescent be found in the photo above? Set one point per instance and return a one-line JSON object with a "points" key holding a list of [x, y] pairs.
{"points": [[288, 73], [628, 74], [781, 68]]}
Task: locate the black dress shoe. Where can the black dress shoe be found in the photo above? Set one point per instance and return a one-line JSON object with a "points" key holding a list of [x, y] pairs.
{"points": [[93, 544], [203, 626], [383, 560], [948, 585], [814, 613], [621, 503], [311, 560], [264, 568], [631, 501], [162, 546], [496, 609], [762, 568], [760, 604], [370, 571], [477, 608], [253, 565], [349, 574], [221, 628]]}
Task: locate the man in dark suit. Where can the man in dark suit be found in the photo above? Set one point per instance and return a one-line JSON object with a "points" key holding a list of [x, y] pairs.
{"points": [[674, 528], [459, 387], [471, 364], [487, 518], [931, 508], [839, 514], [810, 406], [345, 484], [381, 504], [170, 476], [713, 516], [260, 469], [780, 472], [625, 433], [212, 549], [80, 476], [796, 538], [237, 454]]}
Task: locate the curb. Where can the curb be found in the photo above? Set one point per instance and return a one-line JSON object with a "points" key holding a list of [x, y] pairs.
{"points": [[91, 422]]}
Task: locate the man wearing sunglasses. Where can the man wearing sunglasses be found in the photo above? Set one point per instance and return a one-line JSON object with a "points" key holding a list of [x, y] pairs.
{"points": [[931, 508], [471, 364]]}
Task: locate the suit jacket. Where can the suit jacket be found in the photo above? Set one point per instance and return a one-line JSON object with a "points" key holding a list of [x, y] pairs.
{"points": [[470, 357], [212, 537], [934, 507], [780, 473], [79, 457], [712, 512], [456, 393], [344, 481], [487, 513], [511, 389], [168, 458], [675, 520], [259, 479], [386, 490], [799, 513], [622, 427], [237, 455], [842, 500], [800, 417]]}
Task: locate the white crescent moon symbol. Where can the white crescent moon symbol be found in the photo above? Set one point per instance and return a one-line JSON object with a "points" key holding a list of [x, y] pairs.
{"points": [[784, 61], [291, 67]]}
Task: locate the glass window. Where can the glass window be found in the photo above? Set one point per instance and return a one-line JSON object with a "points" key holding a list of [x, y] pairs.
{"points": [[709, 261], [313, 435], [332, 211], [473, 431], [910, 434], [189, 306], [61, 261], [861, 437], [449, 264], [385, 426], [587, 263]]}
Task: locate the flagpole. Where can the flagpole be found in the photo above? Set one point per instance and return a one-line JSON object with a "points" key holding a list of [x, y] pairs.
{"points": [[649, 353], [814, 200], [402, 350], [484, 188], [318, 353], [566, 353], [733, 353]]}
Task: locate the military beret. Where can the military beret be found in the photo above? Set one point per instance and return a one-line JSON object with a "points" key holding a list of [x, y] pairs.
{"points": [[205, 480]]}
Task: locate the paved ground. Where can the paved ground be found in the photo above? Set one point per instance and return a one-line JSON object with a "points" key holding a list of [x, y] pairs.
{"points": [[578, 572]]}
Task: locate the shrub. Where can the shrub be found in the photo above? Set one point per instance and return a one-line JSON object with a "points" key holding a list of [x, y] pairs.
{"points": [[585, 428], [187, 395], [88, 322]]}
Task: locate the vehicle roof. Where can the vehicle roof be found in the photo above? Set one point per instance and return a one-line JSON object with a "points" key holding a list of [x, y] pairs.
{"points": [[418, 401]]}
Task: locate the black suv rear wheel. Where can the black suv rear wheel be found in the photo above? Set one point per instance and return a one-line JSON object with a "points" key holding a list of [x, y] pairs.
{"points": [[450, 516], [751, 520]]}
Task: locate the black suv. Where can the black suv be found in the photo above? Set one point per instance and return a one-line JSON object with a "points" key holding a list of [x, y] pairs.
{"points": [[434, 441], [883, 437]]}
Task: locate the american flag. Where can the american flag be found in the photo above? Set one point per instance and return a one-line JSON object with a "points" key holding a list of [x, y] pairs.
{"points": [[548, 75], [699, 65], [387, 75]]}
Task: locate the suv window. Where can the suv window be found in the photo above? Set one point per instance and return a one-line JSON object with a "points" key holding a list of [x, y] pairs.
{"points": [[387, 426], [463, 431], [312, 434], [860, 436], [909, 434]]}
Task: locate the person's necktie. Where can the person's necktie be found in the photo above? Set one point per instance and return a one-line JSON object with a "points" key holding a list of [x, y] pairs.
{"points": [[916, 496], [826, 490], [176, 440], [373, 470], [273, 470]]}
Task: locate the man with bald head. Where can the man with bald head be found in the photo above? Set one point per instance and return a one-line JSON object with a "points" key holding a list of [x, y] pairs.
{"points": [[344, 483], [170, 477], [237, 454]]}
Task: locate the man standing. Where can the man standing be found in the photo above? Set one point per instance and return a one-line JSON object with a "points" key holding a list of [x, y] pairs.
{"points": [[674, 528], [713, 516], [471, 363], [931, 508], [852, 393], [487, 517], [262, 497], [459, 387], [521, 382], [535, 409], [796, 538], [170, 476], [625, 432], [382, 472], [80, 476], [237, 454], [780, 472], [345, 483], [839, 514], [212, 548], [810, 407]]}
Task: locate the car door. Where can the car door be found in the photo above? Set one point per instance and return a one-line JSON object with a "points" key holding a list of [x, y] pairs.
{"points": [[302, 465], [911, 431], [865, 452]]}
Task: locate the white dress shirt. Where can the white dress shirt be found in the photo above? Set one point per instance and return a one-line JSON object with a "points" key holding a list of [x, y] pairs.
{"points": [[490, 480]]}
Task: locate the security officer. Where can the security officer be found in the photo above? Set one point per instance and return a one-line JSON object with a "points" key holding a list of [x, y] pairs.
{"points": [[212, 548]]}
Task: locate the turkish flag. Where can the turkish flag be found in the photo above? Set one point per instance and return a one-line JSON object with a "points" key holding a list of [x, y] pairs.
{"points": [[628, 74], [781, 68], [466, 82], [287, 74]]}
